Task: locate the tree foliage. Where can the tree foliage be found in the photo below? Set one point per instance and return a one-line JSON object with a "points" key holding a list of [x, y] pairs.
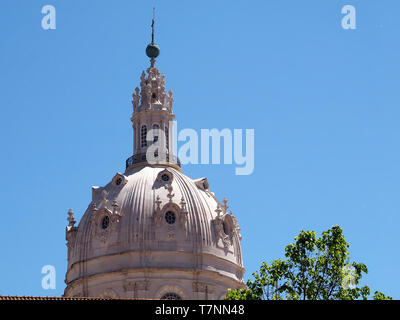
{"points": [[315, 269]]}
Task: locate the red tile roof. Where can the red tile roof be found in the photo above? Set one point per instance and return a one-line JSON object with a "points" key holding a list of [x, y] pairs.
{"points": [[31, 298]]}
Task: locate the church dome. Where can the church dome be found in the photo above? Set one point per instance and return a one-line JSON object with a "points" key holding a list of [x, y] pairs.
{"points": [[152, 232], [152, 222]]}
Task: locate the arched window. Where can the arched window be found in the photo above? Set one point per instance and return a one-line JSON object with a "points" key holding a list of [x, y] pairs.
{"points": [[171, 296], [156, 127], [143, 134], [166, 138]]}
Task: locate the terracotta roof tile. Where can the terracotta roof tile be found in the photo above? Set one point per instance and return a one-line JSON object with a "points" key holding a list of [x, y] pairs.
{"points": [[32, 298]]}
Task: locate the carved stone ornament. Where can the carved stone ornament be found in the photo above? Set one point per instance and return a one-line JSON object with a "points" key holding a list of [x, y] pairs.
{"points": [[71, 230], [157, 215], [170, 195], [152, 93], [165, 177], [183, 217], [100, 227], [219, 232], [119, 180]]}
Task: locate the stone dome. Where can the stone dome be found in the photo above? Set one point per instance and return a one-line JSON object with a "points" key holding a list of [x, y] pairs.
{"points": [[157, 229], [153, 232]]}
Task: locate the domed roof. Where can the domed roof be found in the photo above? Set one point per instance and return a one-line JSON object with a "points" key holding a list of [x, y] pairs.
{"points": [[153, 232], [155, 209]]}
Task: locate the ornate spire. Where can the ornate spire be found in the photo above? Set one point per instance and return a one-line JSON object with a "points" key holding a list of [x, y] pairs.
{"points": [[225, 201], [152, 115], [152, 94]]}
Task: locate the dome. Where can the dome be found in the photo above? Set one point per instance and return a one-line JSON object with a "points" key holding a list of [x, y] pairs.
{"points": [[152, 232], [153, 224]]}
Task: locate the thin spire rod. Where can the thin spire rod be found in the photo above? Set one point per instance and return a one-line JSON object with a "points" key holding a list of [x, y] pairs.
{"points": [[152, 25]]}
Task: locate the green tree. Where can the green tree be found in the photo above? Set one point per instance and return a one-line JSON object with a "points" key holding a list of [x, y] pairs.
{"points": [[315, 269]]}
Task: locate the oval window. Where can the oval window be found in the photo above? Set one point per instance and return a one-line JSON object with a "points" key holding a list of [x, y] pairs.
{"points": [[105, 222], [226, 229], [170, 217], [118, 181]]}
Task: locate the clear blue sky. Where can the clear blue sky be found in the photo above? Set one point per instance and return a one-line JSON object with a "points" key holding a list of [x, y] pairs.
{"points": [[323, 101]]}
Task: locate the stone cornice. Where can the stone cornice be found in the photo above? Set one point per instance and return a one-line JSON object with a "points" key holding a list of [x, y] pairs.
{"points": [[152, 252]]}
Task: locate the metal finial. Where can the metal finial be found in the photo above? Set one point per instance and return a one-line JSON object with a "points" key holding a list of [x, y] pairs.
{"points": [[152, 26], [152, 49]]}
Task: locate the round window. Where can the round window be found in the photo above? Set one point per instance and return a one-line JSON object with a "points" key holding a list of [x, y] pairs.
{"points": [[165, 177], [171, 296], [170, 217], [118, 181], [105, 222]]}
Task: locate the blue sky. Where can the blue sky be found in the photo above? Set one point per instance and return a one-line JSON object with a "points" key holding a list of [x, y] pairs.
{"points": [[323, 102]]}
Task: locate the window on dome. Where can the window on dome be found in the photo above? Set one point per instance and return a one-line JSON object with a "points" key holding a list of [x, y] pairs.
{"points": [[170, 217], [165, 177], [105, 222], [227, 229]]}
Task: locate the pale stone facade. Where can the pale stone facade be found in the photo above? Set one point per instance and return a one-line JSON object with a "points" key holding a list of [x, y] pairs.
{"points": [[153, 232]]}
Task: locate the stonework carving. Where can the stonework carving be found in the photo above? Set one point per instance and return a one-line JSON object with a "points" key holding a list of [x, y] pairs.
{"points": [[170, 100], [157, 215], [236, 228], [202, 184], [170, 195], [183, 217], [225, 226], [165, 177], [136, 99], [119, 180], [152, 93], [104, 200], [71, 230], [219, 232], [105, 211]]}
